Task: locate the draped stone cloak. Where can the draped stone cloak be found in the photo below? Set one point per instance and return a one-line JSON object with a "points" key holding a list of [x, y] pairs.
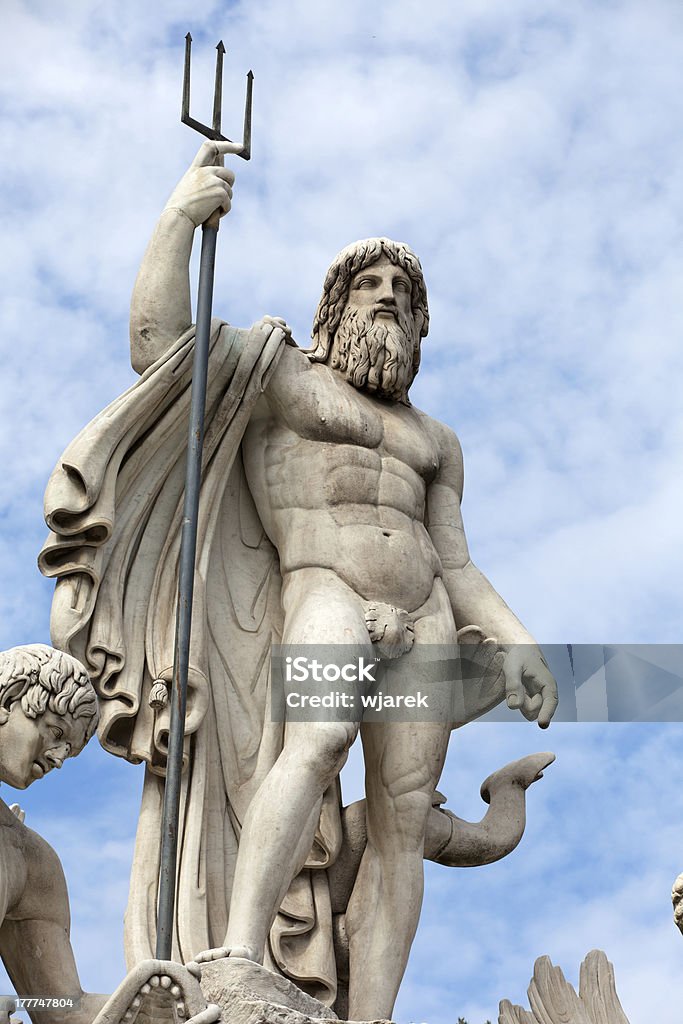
{"points": [[114, 505]]}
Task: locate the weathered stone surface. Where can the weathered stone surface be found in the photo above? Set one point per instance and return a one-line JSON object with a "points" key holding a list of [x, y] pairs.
{"points": [[232, 991], [250, 994], [554, 1001]]}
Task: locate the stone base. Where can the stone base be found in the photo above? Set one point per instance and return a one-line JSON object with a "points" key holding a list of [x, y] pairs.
{"points": [[248, 993], [232, 991]]}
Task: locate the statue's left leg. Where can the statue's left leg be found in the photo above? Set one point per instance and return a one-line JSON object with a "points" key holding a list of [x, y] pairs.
{"points": [[403, 765], [403, 762]]}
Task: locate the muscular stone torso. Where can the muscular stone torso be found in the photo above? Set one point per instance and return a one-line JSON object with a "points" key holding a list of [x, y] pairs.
{"points": [[340, 479]]}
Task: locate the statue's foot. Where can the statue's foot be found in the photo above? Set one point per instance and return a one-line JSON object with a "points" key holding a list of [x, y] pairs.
{"points": [[158, 992]]}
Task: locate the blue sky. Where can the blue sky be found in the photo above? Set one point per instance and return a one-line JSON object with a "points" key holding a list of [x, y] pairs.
{"points": [[530, 154]]}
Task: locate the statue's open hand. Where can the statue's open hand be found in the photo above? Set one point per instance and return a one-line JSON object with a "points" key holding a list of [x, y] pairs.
{"points": [[529, 684], [207, 185]]}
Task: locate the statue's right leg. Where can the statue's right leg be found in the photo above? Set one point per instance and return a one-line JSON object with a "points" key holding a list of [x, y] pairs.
{"points": [[279, 827]]}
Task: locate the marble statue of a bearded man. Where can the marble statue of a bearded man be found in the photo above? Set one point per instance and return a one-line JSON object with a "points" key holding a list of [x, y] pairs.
{"points": [[330, 514]]}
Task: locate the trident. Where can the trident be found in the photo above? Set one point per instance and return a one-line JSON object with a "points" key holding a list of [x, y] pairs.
{"points": [[188, 536]]}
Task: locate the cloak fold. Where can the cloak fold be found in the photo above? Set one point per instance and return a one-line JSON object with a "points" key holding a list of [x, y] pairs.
{"points": [[113, 505]]}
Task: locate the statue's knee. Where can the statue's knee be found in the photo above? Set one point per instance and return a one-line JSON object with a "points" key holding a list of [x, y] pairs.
{"points": [[329, 747]]}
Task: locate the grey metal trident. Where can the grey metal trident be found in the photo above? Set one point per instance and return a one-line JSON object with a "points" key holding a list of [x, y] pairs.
{"points": [[215, 131], [188, 536]]}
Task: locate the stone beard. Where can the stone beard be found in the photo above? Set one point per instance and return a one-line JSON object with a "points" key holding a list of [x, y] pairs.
{"points": [[382, 357]]}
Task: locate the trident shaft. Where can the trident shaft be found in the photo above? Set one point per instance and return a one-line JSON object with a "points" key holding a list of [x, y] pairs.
{"points": [[188, 536]]}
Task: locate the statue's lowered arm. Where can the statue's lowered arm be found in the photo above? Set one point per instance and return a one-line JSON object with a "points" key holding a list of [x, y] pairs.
{"points": [[529, 684]]}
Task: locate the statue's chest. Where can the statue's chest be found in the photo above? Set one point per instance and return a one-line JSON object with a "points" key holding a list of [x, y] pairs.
{"points": [[319, 407]]}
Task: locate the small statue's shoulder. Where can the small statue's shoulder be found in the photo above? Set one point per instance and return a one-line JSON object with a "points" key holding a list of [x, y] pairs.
{"points": [[10, 816], [40, 864], [41, 893], [39, 855]]}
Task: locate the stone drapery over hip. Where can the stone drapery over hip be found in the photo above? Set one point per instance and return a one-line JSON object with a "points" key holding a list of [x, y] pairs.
{"points": [[114, 507]]}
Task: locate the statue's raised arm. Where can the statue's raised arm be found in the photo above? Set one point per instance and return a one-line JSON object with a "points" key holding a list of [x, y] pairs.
{"points": [[161, 309]]}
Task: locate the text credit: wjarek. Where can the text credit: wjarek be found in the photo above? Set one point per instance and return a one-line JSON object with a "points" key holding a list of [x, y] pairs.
{"points": [[337, 688]]}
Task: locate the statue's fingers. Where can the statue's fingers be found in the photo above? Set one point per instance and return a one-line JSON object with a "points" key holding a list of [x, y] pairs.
{"points": [[225, 148], [277, 321], [221, 189], [514, 690], [548, 706], [209, 178], [226, 174], [531, 706], [269, 325], [222, 196], [207, 154], [210, 1015], [212, 152], [207, 955]]}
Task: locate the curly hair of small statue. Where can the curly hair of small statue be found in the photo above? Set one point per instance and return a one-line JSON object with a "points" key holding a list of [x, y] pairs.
{"points": [[41, 678], [350, 261]]}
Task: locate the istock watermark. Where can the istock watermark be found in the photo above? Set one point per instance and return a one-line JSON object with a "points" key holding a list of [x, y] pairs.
{"points": [[455, 684], [365, 696], [346, 683], [303, 669]]}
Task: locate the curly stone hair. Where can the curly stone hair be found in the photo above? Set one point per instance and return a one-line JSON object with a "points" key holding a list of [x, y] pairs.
{"points": [[41, 678], [350, 261]]}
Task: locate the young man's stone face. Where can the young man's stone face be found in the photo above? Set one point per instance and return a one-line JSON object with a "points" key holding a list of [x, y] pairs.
{"points": [[31, 747]]}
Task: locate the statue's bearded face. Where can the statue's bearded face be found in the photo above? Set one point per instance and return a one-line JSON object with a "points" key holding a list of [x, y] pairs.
{"points": [[377, 344]]}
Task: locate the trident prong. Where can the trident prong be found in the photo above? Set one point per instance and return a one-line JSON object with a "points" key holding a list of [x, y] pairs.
{"points": [[218, 87], [215, 131]]}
